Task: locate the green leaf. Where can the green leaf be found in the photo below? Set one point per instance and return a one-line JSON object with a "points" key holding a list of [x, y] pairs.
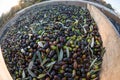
{"points": [[40, 44], [29, 69], [91, 51], [41, 76], [57, 50], [30, 65], [33, 31], [23, 74], [34, 57], [67, 51], [50, 68], [50, 64], [94, 71], [103, 51], [84, 30], [92, 43], [42, 33], [93, 62], [31, 73], [39, 56], [60, 57], [44, 61]]}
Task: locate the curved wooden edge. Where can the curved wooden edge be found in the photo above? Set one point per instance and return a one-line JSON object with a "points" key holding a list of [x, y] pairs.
{"points": [[110, 67], [111, 41], [4, 73]]}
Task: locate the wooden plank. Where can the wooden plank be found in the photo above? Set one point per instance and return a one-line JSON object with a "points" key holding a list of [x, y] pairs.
{"points": [[111, 41], [4, 74]]}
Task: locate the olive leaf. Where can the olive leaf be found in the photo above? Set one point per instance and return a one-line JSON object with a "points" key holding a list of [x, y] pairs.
{"points": [[50, 68], [84, 29], [76, 21], [40, 44], [94, 71], [33, 31], [67, 51], [29, 69], [68, 20], [31, 73], [44, 61], [30, 65], [50, 64], [41, 34], [78, 31], [103, 51], [57, 50], [60, 56], [91, 51], [93, 63], [61, 24], [41, 76], [92, 42], [34, 57], [23, 74], [39, 56]]}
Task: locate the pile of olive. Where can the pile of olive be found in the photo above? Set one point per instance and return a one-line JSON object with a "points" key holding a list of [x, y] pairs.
{"points": [[54, 42]]}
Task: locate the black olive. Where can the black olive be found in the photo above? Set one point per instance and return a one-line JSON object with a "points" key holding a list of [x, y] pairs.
{"points": [[51, 54], [66, 59], [83, 75], [78, 72], [46, 45], [67, 74], [53, 73], [31, 44], [70, 78], [68, 70], [55, 57], [56, 67]]}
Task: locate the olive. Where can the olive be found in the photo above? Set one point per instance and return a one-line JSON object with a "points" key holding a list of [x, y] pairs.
{"points": [[83, 75], [68, 70], [82, 70], [35, 45], [60, 75], [31, 44], [75, 55], [56, 67], [51, 54], [55, 57], [75, 65], [56, 77], [47, 78], [53, 73], [93, 76], [64, 66], [46, 45], [70, 79], [26, 36], [67, 74], [47, 50], [53, 47], [60, 45], [66, 59], [78, 72]]}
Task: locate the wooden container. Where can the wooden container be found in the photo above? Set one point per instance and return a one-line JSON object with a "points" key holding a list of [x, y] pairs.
{"points": [[110, 38]]}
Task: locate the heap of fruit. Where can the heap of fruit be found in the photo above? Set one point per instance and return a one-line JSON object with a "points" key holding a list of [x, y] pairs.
{"points": [[54, 42]]}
